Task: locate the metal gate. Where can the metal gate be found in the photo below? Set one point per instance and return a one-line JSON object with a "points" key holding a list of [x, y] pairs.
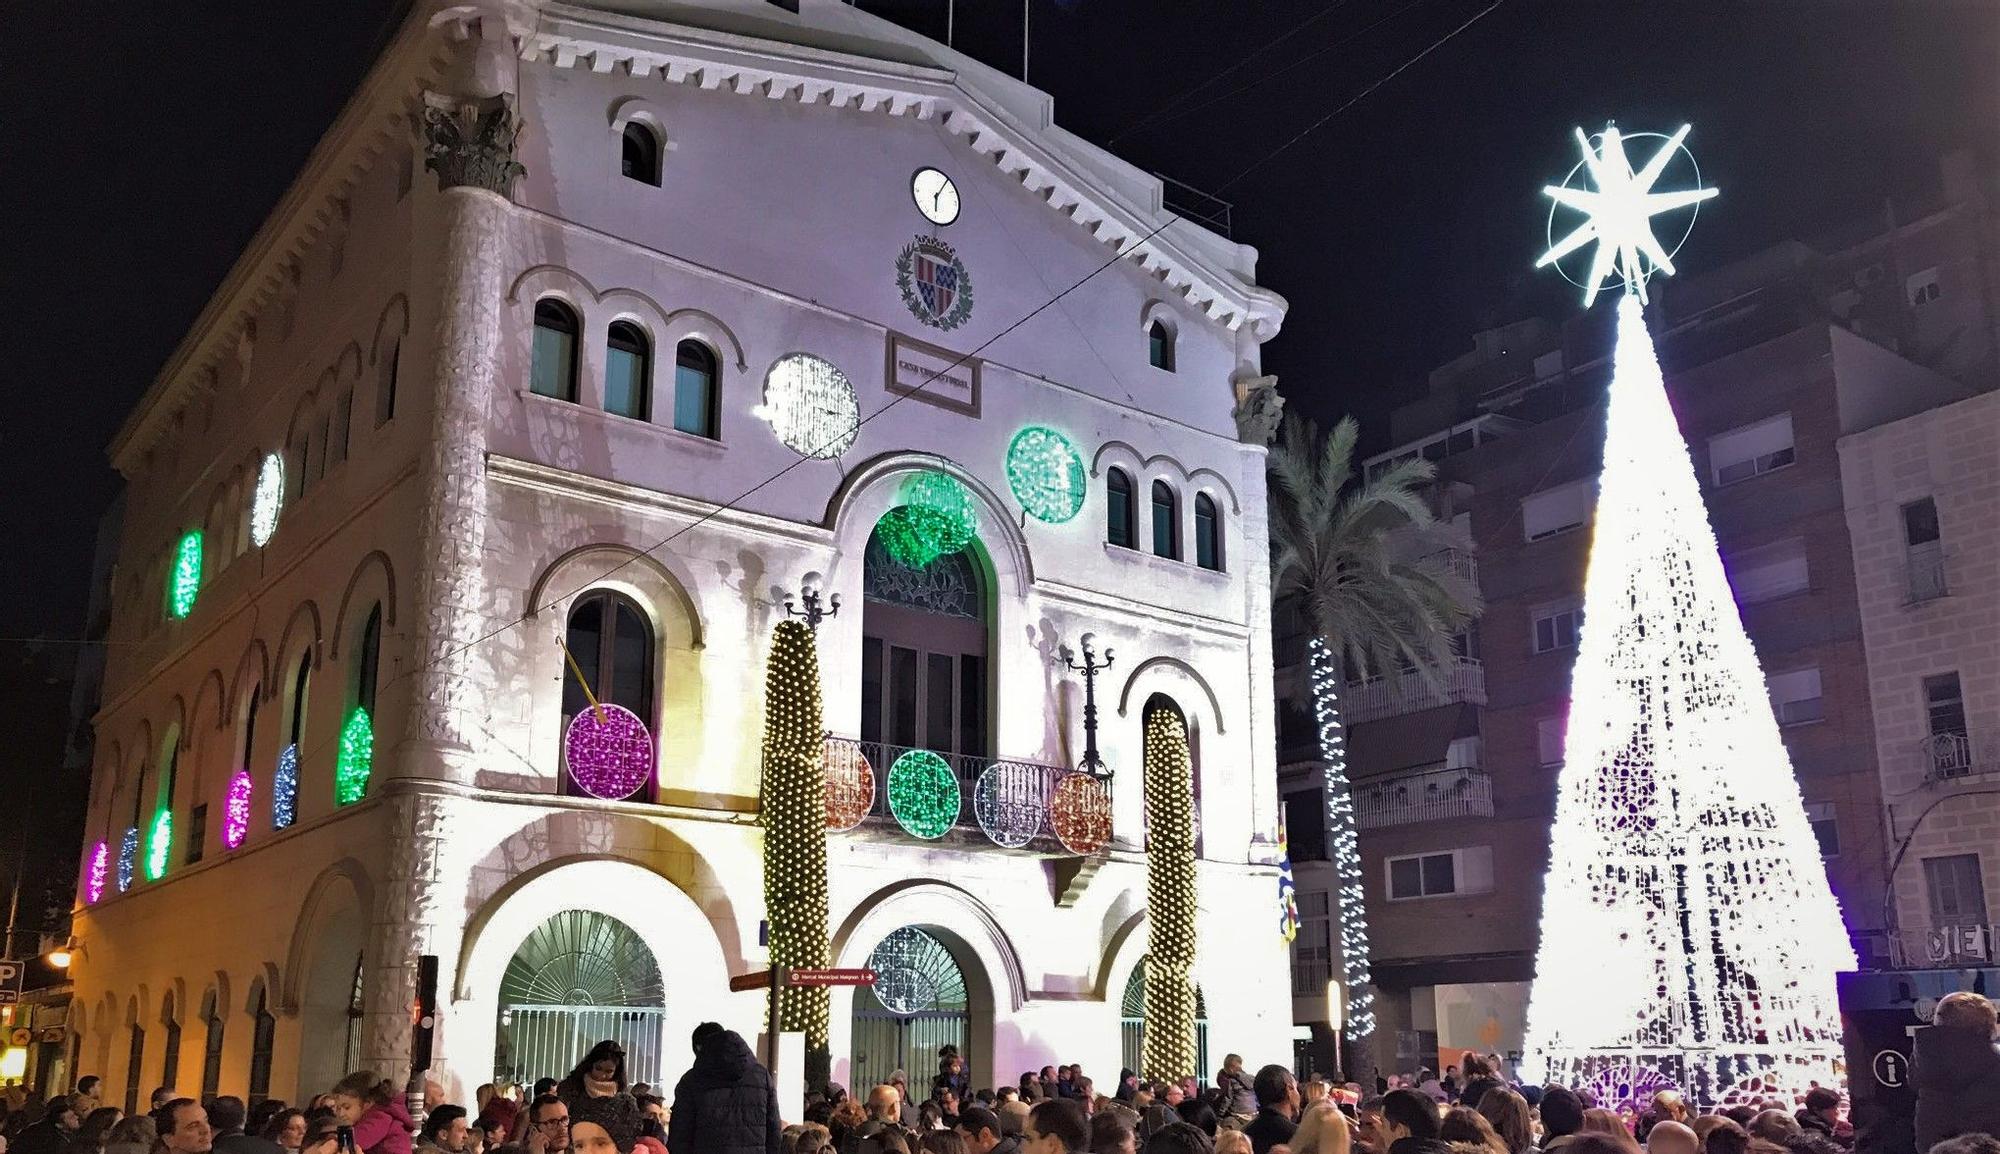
{"points": [[547, 1041], [886, 1042], [1132, 1026]]}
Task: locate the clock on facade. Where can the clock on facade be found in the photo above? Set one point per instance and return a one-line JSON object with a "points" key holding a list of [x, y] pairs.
{"points": [[811, 405], [936, 196]]}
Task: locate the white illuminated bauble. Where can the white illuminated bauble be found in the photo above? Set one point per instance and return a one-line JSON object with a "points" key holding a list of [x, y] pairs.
{"points": [[811, 405], [268, 500], [1620, 209]]}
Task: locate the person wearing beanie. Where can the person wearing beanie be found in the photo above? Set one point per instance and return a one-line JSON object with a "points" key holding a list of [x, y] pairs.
{"points": [[1562, 1116]]}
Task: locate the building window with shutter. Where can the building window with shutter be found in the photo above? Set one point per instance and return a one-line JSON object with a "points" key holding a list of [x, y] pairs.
{"points": [[1956, 889], [1770, 572], [1795, 696], [1751, 450], [1558, 510]]}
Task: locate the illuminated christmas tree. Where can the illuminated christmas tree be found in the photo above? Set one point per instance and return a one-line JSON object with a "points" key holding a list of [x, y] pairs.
{"points": [[794, 818], [1171, 901], [1688, 933]]}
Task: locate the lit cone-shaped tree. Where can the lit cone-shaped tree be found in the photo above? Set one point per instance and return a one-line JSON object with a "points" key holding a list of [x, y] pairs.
{"points": [[1169, 1053], [1365, 569], [1687, 927], [794, 818]]}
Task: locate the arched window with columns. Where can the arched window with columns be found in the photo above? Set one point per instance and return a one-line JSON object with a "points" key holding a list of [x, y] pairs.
{"points": [[610, 641]]}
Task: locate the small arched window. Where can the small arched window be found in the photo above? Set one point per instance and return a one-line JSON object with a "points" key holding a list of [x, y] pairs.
{"points": [[628, 370], [366, 658], [263, 1042], [301, 689], [553, 373], [1160, 346], [1207, 532], [1120, 521], [611, 642], [170, 1056], [694, 389], [639, 154], [1166, 522], [211, 1055], [385, 383]]}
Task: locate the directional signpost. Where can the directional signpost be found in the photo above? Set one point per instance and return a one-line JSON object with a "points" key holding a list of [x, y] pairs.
{"points": [[778, 977]]}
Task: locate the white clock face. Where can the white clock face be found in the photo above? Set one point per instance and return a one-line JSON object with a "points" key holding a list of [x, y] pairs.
{"points": [[811, 405], [936, 195]]}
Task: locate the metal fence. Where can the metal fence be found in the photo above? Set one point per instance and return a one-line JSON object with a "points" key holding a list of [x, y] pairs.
{"points": [[546, 1041], [1432, 795]]}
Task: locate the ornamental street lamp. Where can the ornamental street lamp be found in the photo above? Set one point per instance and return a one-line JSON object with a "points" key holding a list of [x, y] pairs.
{"points": [[1090, 668], [814, 612]]}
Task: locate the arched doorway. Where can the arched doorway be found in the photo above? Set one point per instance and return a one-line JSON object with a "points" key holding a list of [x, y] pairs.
{"points": [[575, 980], [1132, 1026], [918, 1004], [334, 977], [925, 676]]}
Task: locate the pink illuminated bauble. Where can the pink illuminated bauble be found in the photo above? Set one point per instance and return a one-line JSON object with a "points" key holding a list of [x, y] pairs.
{"points": [[1080, 814], [236, 810], [609, 752], [850, 785], [100, 872]]}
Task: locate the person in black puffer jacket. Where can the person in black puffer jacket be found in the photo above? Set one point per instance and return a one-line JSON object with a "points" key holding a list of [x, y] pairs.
{"points": [[1957, 1071], [726, 1103]]}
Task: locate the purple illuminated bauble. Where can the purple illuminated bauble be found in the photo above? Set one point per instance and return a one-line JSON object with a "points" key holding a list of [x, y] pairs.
{"points": [[100, 872], [611, 758], [236, 810]]}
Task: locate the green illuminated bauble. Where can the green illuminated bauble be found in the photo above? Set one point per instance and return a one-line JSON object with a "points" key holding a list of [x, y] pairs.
{"points": [[1046, 473], [923, 794], [936, 517], [184, 579], [356, 759]]}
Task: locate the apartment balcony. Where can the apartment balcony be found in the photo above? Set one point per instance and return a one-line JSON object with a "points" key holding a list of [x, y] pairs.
{"points": [[1946, 756], [1926, 570], [1001, 802], [1918, 947], [1310, 976], [1429, 795], [1463, 680], [1457, 561]]}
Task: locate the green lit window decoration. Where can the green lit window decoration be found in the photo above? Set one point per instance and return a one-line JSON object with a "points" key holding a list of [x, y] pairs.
{"points": [[936, 517], [160, 845], [923, 794], [356, 760], [1046, 473], [184, 580]]}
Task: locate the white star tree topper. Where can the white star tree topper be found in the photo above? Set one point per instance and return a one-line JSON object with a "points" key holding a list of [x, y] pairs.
{"points": [[1620, 209]]}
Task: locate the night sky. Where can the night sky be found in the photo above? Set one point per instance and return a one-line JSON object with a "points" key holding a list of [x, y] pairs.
{"points": [[145, 142]]}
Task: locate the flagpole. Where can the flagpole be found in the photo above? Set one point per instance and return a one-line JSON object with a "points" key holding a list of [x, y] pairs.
{"points": [[1024, 41], [950, 20]]}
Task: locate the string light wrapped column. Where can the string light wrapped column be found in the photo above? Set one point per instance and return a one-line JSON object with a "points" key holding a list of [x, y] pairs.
{"points": [[1323, 676], [1169, 1052], [794, 820]]}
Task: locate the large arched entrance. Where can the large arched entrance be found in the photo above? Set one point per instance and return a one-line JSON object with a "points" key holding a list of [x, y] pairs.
{"points": [[919, 1003], [925, 677], [332, 974], [579, 978], [1132, 1025]]}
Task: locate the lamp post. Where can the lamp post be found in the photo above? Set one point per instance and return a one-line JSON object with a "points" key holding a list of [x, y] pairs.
{"points": [[814, 612], [1090, 667]]}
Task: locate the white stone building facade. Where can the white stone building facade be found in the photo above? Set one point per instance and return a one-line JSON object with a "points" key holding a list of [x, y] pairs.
{"points": [[524, 412], [1922, 494]]}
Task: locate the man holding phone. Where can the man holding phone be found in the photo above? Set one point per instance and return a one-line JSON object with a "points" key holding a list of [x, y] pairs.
{"points": [[548, 1126]]}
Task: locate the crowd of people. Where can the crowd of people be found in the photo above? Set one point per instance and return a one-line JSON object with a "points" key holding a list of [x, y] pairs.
{"points": [[727, 1103]]}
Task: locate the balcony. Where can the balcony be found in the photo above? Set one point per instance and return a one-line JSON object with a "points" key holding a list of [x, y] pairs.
{"points": [[1429, 795], [1005, 803], [1945, 756], [1461, 681], [1310, 975], [1457, 561], [1926, 567], [1943, 945]]}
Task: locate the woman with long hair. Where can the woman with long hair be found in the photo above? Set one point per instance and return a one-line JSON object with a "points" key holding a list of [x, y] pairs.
{"points": [[1461, 1124], [1323, 1130], [1507, 1112], [372, 1107], [287, 1128], [595, 1091]]}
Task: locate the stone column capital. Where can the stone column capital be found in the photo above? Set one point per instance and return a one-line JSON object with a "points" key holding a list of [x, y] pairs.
{"points": [[1259, 409], [470, 142]]}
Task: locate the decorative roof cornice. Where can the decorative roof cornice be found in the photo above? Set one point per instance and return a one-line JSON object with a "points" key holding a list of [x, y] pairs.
{"points": [[1077, 179]]}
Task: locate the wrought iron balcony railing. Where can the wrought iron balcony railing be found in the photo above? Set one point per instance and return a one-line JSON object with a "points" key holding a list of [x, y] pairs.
{"points": [[1944, 756], [1014, 804], [1429, 795], [1462, 680]]}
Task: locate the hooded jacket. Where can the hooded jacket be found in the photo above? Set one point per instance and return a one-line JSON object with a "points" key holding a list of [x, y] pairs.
{"points": [[1958, 1085], [726, 1103], [384, 1129]]}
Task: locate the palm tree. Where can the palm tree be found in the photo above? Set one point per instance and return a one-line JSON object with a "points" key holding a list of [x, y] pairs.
{"points": [[1361, 565]]}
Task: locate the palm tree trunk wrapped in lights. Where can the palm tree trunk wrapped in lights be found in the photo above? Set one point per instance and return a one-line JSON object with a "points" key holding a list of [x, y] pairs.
{"points": [[794, 819], [1169, 1053], [1365, 570]]}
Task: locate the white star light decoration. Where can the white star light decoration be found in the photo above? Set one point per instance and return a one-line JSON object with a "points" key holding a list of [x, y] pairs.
{"points": [[1620, 209]]}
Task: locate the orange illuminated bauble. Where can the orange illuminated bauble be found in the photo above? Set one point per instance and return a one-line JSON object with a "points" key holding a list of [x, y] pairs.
{"points": [[850, 786], [1080, 814]]}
